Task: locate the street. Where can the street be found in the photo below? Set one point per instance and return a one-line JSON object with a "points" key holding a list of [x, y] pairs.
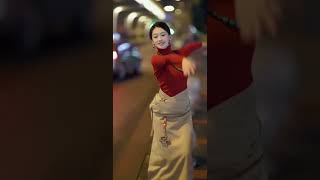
{"points": [[132, 123]]}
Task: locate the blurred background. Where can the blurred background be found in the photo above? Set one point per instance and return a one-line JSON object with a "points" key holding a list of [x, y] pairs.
{"points": [[32, 27], [134, 84], [54, 95]]}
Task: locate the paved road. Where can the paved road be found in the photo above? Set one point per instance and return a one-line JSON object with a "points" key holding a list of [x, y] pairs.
{"points": [[131, 121]]}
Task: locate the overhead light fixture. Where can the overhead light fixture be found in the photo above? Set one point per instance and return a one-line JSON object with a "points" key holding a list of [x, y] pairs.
{"points": [[171, 31], [142, 19], [153, 8], [118, 9], [116, 12], [169, 8], [177, 0], [178, 11], [130, 19], [132, 16]]}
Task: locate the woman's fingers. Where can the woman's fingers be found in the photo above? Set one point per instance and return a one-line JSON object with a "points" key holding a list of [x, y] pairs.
{"points": [[185, 72], [257, 18], [193, 68], [188, 68]]}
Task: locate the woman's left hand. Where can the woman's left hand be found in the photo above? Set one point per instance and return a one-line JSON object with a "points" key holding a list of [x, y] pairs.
{"points": [[188, 67]]}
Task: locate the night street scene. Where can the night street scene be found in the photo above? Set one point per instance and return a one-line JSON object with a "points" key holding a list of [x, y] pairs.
{"points": [[135, 85]]}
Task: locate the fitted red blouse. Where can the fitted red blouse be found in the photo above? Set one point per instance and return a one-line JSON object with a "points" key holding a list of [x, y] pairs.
{"points": [[166, 65], [229, 67]]}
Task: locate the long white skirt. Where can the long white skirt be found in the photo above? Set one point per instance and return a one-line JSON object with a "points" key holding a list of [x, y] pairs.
{"points": [[234, 147], [173, 138]]}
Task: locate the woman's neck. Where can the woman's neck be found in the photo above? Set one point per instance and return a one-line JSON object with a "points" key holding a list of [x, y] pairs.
{"points": [[165, 51]]}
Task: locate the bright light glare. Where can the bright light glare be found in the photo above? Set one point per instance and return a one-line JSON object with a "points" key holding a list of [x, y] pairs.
{"points": [[131, 17], [115, 55], [123, 46], [169, 8], [116, 36], [118, 9], [178, 11], [142, 19], [153, 8], [171, 31]]}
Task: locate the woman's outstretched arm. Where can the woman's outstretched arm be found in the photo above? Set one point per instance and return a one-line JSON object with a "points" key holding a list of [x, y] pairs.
{"points": [[189, 48]]}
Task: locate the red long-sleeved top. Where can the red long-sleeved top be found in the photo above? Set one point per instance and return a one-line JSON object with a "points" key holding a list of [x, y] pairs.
{"points": [[170, 79], [229, 68]]}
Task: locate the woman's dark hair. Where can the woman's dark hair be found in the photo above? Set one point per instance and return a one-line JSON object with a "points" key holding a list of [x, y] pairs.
{"points": [[161, 25]]}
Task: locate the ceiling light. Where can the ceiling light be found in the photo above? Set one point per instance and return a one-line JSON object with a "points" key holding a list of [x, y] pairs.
{"points": [[118, 9], [153, 8], [171, 31], [178, 11], [132, 16], [169, 8]]}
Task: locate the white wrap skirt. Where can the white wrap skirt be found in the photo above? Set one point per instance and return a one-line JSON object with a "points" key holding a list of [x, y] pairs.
{"points": [[173, 138]]}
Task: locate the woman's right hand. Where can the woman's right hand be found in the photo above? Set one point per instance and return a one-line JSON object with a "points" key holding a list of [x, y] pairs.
{"points": [[257, 18], [188, 67]]}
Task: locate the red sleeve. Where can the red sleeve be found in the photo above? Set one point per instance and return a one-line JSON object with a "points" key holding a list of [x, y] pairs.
{"points": [[158, 61], [189, 48], [230, 59]]}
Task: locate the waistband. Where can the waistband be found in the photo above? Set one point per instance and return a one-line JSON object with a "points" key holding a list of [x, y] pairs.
{"points": [[182, 95]]}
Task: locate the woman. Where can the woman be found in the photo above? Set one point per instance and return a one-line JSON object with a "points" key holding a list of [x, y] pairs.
{"points": [[173, 139], [234, 136]]}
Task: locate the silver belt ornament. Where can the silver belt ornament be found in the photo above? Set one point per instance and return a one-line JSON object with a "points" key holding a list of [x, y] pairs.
{"points": [[164, 140]]}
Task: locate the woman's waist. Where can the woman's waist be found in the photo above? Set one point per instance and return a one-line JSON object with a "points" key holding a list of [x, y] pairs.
{"points": [[175, 105], [171, 90], [171, 80], [174, 94]]}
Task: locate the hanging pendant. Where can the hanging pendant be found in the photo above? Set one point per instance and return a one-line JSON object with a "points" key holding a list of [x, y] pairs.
{"points": [[164, 139]]}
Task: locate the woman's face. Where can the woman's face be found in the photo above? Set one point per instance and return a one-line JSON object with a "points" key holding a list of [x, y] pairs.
{"points": [[160, 38]]}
